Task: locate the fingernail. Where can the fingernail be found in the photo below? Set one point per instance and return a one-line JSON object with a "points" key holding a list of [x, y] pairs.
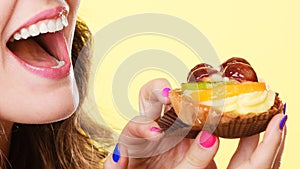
{"points": [[207, 139], [116, 154], [284, 108], [165, 92], [282, 122], [156, 129]]}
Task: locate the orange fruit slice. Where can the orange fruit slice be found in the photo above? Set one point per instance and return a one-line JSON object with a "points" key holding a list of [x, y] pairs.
{"points": [[227, 90]]}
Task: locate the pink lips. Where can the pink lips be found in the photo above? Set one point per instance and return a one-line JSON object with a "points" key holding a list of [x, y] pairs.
{"points": [[48, 72]]}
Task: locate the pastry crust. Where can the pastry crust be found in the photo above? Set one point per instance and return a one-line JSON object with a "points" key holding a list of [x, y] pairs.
{"points": [[222, 124]]}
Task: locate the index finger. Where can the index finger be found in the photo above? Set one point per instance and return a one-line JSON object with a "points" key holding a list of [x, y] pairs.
{"points": [[141, 137], [152, 99], [266, 152], [277, 161]]}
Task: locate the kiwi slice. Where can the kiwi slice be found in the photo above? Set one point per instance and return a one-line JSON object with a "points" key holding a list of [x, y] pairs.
{"points": [[200, 85]]}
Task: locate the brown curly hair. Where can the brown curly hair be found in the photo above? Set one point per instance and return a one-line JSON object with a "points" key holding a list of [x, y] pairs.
{"points": [[64, 144]]}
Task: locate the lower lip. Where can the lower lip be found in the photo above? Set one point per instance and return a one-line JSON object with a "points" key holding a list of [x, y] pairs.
{"points": [[51, 73]]}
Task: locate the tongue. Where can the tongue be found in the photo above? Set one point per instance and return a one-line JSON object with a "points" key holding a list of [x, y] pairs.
{"points": [[31, 52]]}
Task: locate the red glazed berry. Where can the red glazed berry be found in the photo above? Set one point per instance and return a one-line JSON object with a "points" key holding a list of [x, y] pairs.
{"points": [[199, 66], [232, 61], [198, 75], [240, 72]]}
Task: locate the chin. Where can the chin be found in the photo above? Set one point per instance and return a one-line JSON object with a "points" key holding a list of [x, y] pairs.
{"points": [[41, 103]]}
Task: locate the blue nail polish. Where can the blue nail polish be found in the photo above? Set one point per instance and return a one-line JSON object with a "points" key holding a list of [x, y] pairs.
{"points": [[282, 122], [284, 108], [116, 154]]}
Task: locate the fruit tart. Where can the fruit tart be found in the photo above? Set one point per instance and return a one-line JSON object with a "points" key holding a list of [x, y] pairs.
{"points": [[228, 101]]}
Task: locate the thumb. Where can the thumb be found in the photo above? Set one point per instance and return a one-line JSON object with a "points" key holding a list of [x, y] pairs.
{"points": [[115, 160], [201, 153]]}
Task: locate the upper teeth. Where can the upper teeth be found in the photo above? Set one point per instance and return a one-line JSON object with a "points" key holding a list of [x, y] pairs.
{"points": [[45, 26]]}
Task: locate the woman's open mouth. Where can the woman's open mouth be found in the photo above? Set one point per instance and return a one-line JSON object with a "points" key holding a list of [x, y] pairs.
{"points": [[40, 46]]}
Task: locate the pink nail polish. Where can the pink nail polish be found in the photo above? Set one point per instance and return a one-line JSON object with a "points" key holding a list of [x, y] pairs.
{"points": [[156, 129], [207, 140], [165, 92]]}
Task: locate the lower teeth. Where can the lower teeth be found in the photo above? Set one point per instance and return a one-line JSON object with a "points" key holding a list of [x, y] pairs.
{"points": [[59, 64]]}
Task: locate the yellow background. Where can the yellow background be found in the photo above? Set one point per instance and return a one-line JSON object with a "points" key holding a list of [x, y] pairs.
{"points": [[266, 33]]}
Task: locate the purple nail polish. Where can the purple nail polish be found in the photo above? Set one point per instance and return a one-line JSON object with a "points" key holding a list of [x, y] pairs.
{"points": [[165, 92], [284, 108], [282, 122], [156, 129]]}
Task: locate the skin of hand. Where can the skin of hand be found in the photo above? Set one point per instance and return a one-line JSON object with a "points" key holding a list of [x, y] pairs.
{"points": [[142, 143], [264, 155]]}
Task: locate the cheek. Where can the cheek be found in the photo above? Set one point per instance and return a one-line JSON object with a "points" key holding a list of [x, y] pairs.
{"points": [[6, 10], [74, 5]]}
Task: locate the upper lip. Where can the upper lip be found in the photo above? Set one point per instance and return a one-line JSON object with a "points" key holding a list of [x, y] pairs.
{"points": [[46, 14]]}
